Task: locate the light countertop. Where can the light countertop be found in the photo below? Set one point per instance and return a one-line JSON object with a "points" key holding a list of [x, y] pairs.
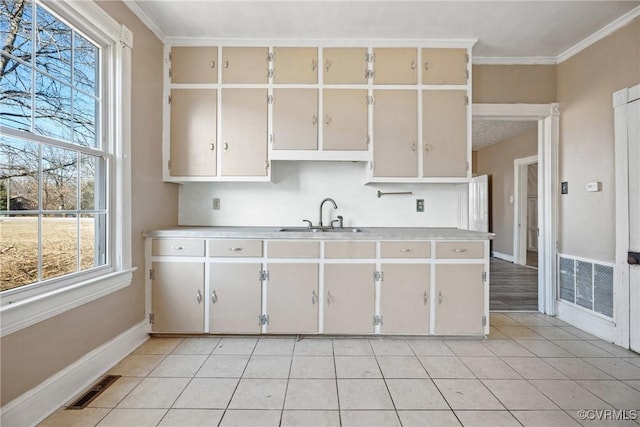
{"points": [[294, 233]]}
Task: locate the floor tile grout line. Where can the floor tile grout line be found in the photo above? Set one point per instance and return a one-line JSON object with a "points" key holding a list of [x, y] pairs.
{"points": [[375, 355], [224, 413], [335, 371], [286, 389]]}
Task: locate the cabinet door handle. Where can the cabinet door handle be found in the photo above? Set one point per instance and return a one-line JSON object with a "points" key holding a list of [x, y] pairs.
{"points": [[425, 298], [327, 65], [413, 146], [330, 298], [226, 146], [314, 120], [226, 64], [314, 64], [199, 296], [314, 297], [406, 250], [235, 249], [213, 64], [427, 147], [212, 146], [327, 120], [459, 250], [413, 64], [177, 248], [426, 65], [439, 297], [214, 297]]}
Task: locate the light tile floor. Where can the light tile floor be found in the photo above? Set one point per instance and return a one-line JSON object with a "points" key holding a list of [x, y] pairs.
{"points": [[533, 370]]}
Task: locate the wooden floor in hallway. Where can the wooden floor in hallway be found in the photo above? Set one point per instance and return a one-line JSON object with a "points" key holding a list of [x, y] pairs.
{"points": [[513, 287]]}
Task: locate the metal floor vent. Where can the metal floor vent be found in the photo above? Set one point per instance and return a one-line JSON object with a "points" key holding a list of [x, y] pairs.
{"points": [[94, 392]]}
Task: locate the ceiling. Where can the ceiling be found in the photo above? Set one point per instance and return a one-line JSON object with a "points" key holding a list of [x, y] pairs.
{"points": [[514, 32]]}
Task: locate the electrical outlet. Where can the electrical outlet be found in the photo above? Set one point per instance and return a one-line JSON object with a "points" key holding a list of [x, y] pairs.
{"points": [[216, 204], [419, 205], [564, 187]]}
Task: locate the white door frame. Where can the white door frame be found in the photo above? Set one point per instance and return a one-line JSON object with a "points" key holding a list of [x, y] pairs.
{"points": [[548, 118], [520, 193], [621, 282]]}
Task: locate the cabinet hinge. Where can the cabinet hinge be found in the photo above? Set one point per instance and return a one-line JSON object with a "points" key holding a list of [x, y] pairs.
{"points": [[271, 56], [378, 276], [369, 74], [466, 73], [152, 274], [370, 57], [466, 100], [264, 275], [263, 319], [377, 320], [371, 100], [170, 73], [484, 276], [466, 58], [152, 318], [270, 99], [169, 99], [484, 320], [267, 165], [170, 57], [270, 73]]}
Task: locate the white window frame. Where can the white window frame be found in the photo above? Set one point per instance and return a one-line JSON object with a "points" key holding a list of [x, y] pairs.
{"points": [[21, 308]]}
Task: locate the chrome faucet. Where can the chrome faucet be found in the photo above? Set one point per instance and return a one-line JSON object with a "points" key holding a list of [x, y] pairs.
{"points": [[322, 204]]}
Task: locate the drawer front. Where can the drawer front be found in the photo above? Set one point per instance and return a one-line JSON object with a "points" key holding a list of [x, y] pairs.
{"points": [[349, 249], [293, 249], [177, 247], [405, 249], [235, 248], [459, 249]]}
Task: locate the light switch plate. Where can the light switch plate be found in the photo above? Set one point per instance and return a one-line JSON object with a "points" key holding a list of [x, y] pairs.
{"points": [[593, 187], [216, 204]]}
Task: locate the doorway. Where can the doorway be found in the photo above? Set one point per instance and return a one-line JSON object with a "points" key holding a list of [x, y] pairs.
{"points": [[525, 218], [547, 118]]}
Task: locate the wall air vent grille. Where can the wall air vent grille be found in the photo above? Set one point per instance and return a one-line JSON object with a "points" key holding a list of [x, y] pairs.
{"points": [[586, 283]]}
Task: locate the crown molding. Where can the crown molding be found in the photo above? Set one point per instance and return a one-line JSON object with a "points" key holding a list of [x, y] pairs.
{"points": [[146, 19], [599, 35], [514, 60]]}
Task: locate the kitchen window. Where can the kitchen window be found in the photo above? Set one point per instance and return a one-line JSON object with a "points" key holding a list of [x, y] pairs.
{"points": [[64, 179]]}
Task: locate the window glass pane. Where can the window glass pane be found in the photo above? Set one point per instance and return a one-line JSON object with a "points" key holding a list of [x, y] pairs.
{"points": [[53, 45], [15, 28], [18, 251], [92, 240], [85, 65], [15, 95], [92, 189], [84, 119], [59, 178], [18, 174], [59, 245], [53, 108]]}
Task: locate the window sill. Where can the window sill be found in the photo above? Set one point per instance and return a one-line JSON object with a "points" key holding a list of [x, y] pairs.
{"points": [[28, 312]]}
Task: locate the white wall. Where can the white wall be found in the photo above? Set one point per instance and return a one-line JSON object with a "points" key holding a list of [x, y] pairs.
{"points": [[299, 187]]}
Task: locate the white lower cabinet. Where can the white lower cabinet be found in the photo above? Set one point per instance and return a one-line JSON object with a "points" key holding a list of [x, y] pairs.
{"points": [[460, 301], [236, 298], [349, 298], [178, 297], [405, 299], [292, 298]]}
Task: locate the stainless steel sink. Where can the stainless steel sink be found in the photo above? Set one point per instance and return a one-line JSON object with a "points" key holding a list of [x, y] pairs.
{"points": [[320, 230]]}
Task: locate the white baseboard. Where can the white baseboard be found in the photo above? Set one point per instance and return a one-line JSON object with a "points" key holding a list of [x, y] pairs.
{"points": [[41, 401], [502, 256], [586, 320]]}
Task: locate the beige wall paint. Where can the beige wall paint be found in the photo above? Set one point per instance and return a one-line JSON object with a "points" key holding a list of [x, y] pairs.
{"points": [[32, 355], [585, 85], [497, 162], [510, 84]]}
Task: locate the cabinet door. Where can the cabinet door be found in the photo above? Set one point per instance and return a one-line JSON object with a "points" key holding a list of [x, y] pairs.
{"points": [[443, 66], [292, 298], [295, 65], [193, 132], [345, 65], [444, 133], [194, 64], [404, 299], [345, 119], [395, 66], [395, 132], [459, 298], [236, 298], [245, 64], [177, 297], [244, 132], [348, 298], [295, 119]]}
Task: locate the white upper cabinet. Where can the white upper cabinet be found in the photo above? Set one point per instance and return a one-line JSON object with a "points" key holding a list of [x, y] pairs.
{"points": [[295, 65], [194, 64], [245, 65], [444, 66], [395, 66], [343, 65]]}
